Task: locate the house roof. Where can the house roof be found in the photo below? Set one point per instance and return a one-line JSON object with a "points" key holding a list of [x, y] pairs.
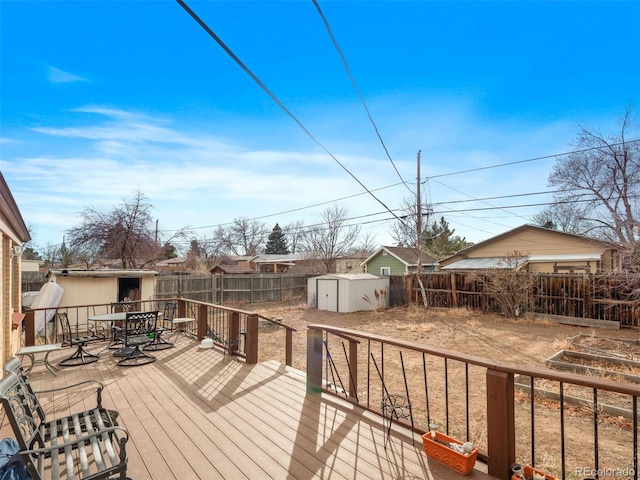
{"points": [[10, 213], [526, 227], [407, 255], [232, 269], [277, 258], [482, 263]]}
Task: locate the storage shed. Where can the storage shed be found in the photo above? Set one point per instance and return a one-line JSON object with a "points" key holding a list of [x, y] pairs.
{"points": [[91, 287], [348, 292]]}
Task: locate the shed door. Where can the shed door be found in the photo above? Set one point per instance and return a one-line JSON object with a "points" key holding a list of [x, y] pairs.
{"points": [[328, 295]]}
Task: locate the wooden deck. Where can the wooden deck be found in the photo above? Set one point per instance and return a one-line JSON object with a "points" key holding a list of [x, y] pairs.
{"points": [[194, 415]]}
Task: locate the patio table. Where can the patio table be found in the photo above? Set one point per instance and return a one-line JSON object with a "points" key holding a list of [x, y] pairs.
{"points": [[111, 318], [33, 350]]}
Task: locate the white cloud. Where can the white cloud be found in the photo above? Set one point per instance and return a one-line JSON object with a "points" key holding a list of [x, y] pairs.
{"points": [[55, 75]]}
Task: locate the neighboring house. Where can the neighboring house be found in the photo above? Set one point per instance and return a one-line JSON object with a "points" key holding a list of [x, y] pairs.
{"points": [[273, 262], [14, 234], [351, 263], [541, 250], [222, 268], [172, 265], [397, 261], [31, 265]]}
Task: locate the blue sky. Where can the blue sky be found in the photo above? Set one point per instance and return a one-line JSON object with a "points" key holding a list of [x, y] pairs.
{"points": [[100, 99]]}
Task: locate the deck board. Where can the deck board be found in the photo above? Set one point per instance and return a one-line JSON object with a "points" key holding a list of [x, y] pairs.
{"points": [[195, 414]]}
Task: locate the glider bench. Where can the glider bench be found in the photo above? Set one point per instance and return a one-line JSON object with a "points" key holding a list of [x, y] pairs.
{"points": [[84, 445]]}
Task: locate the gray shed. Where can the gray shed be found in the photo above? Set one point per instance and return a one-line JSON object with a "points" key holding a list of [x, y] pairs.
{"points": [[348, 292]]}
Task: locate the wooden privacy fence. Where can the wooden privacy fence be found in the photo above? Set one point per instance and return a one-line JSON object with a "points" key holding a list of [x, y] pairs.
{"points": [[234, 288], [599, 297]]}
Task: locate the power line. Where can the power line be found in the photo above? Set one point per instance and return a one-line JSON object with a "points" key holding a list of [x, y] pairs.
{"points": [[276, 100], [546, 157], [357, 89]]}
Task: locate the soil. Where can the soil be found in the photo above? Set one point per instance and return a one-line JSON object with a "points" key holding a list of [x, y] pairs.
{"points": [[520, 341]]}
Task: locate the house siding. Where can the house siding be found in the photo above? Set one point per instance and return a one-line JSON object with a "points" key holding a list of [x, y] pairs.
{"points": [[396, 266]]}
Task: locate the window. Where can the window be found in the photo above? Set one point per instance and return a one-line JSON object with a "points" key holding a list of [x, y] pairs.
{"points": [[385, 271]]}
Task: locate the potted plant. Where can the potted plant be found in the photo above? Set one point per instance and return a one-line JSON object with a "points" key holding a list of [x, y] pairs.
{"points": [[455, 454]]}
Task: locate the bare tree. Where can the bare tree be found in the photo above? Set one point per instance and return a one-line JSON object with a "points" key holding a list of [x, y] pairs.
{"points": [[243, 237], [404, 231], [564, 217], [366, 243], [295, 235], [603, 174], [126, 233], [331, 238], [508, 286]]}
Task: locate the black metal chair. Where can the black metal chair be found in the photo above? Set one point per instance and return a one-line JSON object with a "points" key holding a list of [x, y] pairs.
{"points": [[80, 356], [138, 331], [159, 343]]}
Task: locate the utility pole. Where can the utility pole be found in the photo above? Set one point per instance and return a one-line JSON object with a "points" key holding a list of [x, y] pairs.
{"points": [[419, 218], [419, 234]]}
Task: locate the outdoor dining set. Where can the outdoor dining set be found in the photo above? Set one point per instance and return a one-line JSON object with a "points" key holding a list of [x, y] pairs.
{"points": [[132, 336]]}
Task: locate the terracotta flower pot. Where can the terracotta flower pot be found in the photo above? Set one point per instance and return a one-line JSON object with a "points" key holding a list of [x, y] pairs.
{"points": [[438, 449], [528, 472]]}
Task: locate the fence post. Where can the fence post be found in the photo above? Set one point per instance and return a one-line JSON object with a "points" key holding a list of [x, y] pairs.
{"points": [[454, 293], [251, 341], [501, 439], [409, 289], [314, 360]]}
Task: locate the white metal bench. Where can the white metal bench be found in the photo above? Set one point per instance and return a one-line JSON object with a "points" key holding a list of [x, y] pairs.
{"points": [[84, 445]]}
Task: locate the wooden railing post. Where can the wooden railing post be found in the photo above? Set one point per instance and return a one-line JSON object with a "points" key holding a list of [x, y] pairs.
{"points": [[314, 360], [251, 340], [289, 347], [202, 322], [29, 328], [501, 437], [353, 370], [182, 308], [234, 331]]}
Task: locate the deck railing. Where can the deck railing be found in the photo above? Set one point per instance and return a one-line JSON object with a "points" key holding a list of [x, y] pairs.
{"points": [[534, 420], [232, 329]]}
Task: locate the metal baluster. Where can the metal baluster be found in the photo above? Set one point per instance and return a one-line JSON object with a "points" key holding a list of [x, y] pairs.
{"points": [[446, 393], [595, 432], [466, 395], [634, 402], [368, 373], [426, 387], [562, 445], [533, 423]]}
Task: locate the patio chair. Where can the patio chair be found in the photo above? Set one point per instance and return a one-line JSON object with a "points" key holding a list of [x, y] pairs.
{"points": [[80, 356], [159, 343], [138, 331]]}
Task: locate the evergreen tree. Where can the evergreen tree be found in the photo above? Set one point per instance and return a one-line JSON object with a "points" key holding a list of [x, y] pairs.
{"points": [[440, 241], [277, 242]]}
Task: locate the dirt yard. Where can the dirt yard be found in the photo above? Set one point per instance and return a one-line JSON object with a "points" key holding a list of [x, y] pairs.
{"points": [[527, 342], [520, 341]]}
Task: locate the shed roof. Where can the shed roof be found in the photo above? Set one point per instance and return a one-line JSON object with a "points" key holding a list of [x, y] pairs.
{"points": [[351, 276], [104, 273]]}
